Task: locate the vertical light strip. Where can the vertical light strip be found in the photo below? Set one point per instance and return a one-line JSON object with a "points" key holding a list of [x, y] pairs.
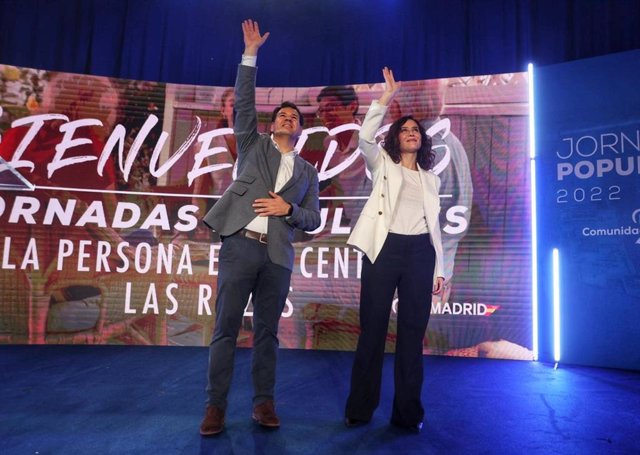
{"points": [[556, 305], [534, 216]]}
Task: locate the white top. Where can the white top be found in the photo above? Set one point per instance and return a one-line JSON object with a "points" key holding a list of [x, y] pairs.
{"points": [[285, 171], [409, 217]]}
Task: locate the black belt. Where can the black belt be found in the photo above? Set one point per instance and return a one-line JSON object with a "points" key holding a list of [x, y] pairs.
{"points": [[262, 238]]}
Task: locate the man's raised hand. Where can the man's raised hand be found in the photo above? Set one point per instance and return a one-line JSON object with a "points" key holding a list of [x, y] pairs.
{"points": [[252, 38]]}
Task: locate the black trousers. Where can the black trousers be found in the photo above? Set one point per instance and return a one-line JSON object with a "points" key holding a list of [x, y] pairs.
{"points": [[405, 263], [245, 268]]}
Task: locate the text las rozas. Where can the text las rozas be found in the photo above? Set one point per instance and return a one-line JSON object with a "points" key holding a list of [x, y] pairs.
{"points": [[156, 303], [72, 137]]}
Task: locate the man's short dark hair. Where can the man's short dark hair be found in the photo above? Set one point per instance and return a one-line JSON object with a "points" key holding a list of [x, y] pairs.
{"points": [[345, 93], [288, 104]]}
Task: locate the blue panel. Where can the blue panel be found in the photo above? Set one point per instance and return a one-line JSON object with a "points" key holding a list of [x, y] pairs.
{"points": [[588, 124]]}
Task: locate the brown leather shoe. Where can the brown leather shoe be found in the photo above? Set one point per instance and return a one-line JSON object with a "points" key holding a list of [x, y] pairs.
{"points": [[265, 414], [213, 422]]}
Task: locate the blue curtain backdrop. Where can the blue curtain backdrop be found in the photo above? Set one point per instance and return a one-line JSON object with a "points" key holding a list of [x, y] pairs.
{"points": [[313, 42]]}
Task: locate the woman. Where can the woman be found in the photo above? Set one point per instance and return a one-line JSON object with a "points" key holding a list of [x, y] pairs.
{"points": [[399, 232]]}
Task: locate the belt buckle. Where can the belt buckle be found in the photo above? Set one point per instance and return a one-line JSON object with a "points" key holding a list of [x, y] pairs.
{"points": [[261, 236]]}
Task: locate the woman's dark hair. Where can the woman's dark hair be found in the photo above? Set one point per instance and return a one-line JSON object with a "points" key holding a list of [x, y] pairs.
{"points": [[426, 156], [290, 105]]}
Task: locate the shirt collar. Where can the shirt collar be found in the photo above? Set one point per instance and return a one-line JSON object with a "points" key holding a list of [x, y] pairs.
{"points": [[275, 144]]}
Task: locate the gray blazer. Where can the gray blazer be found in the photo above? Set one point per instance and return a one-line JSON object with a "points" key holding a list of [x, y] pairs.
{"points": [[258, 163]]}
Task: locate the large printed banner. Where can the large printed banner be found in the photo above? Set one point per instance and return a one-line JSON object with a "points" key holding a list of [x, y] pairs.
{"points": [[101, 239], [589, 164]]}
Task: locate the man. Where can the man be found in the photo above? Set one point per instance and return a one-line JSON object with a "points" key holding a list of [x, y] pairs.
{"points": [[275, 191], [344, 174], [337, 105]]}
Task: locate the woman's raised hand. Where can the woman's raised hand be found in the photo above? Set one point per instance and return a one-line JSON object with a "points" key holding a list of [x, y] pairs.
{"points": [[390, 86]]}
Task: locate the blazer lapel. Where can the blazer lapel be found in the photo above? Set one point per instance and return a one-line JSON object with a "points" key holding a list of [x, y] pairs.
{"points": [[297, 173], [271, 163]]}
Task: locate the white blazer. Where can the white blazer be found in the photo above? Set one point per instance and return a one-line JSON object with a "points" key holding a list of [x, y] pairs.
{"points": [[370, 232]]}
